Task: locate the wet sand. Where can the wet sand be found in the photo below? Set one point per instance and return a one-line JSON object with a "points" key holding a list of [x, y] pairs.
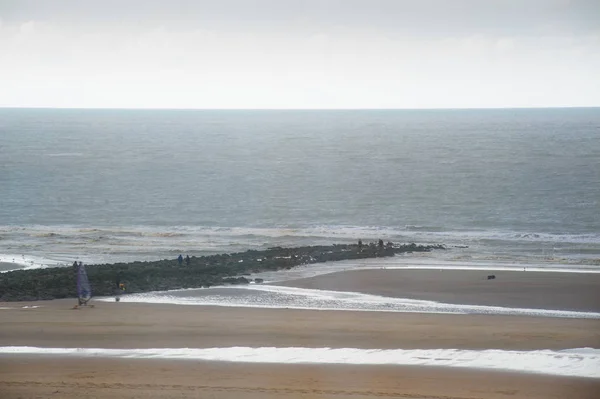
{"points": [[42, 377], [536, 290], [137, 325]]}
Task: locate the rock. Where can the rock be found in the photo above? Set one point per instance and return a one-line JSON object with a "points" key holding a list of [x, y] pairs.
{"points": [[206, 271]]}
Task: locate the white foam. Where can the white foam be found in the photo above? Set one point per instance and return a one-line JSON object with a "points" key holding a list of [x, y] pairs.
{"points": [[412, 262], [429, 263], [64, 243], [582, 362], [280, 297], [345, 232], [26, 262]]}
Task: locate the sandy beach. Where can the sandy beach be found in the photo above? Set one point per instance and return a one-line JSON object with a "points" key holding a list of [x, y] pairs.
{"points": [[138, 325], [123, 325], [538, 290], [130, 325], [28, 377]]}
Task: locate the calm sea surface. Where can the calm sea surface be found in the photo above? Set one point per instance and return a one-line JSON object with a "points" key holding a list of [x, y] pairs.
{"points": [[112, 185]]}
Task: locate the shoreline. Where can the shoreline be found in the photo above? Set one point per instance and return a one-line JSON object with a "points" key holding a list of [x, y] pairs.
{"points": [[577, 362], [510, 289], [120, 325]]}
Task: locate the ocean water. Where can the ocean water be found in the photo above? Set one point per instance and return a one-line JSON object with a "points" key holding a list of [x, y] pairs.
{"points": [[578, 362], [277, 297], [514, 186]]}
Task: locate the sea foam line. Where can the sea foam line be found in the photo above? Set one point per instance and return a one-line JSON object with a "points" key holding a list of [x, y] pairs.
{"points": [[581, 362], [63, 243], [282, 297], [345, 232]]}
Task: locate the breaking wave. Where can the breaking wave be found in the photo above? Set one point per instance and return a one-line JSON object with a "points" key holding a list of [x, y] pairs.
{"points": [[53, 245]]}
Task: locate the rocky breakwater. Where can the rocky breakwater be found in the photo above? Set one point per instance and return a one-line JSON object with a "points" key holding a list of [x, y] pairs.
{"points": [[195, 272]]}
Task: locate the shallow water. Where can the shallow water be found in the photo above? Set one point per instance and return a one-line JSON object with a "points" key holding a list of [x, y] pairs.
{"points": [[278, 297], [123, 185], [581, 362]]}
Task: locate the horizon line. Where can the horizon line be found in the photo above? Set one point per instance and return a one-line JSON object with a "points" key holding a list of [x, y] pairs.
{"points": [[300, 109]]}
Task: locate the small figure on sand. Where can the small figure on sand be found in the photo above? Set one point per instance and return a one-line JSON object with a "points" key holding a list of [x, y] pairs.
{"points": [[84, 290], [187, 260], [180, 259], [380, 243], [119, 288]]}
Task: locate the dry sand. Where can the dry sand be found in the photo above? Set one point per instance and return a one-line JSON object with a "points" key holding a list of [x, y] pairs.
{"points": [[537, 290], [129, 325]]}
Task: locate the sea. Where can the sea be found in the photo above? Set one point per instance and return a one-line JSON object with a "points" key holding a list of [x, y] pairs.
{"points": [[515, 189], [496, 186]]}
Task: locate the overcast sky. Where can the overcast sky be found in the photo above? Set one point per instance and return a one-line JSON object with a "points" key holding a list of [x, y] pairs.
{"points": [[299, 54]]}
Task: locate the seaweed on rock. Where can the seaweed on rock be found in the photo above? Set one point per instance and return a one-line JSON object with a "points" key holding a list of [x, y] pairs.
{"points": [[168, 274]]}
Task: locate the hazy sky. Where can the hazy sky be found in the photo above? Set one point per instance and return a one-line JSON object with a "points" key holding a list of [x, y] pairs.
{"points": [[300, 54]]}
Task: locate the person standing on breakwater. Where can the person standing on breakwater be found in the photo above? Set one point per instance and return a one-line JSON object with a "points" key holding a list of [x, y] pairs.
{"points": [[119, 288], [187, 260], [180, 259]]}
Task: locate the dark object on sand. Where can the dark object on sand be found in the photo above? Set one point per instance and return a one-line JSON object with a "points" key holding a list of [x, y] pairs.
{"points": [[491, 277]]}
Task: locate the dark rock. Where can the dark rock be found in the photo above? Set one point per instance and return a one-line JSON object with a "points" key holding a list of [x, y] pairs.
{"points": [[206, 271]]}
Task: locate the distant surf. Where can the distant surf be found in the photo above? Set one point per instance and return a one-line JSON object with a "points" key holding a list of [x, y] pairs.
{"points": [[48, 246]]}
